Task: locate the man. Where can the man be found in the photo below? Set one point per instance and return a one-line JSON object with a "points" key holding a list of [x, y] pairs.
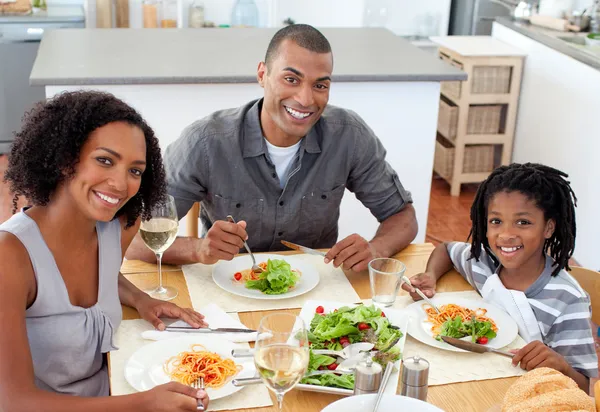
{"points": [[280, 166]]}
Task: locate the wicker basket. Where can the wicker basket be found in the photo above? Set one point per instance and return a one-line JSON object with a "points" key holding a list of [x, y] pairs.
{"points": [[452, 89], [483, 119], [478, 158], [491, 79]]}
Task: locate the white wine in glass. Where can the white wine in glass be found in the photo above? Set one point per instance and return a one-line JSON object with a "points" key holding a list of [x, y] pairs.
{"points": [[281, 356], [158, 234]]}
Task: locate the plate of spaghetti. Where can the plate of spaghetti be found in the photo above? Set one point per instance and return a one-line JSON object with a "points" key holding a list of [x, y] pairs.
{"points": [[186, 359], [283, 276], [474, 320]]}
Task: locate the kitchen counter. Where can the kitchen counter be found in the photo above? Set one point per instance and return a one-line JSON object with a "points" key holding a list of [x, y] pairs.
{"points": [[172, 56], [552, 39]]}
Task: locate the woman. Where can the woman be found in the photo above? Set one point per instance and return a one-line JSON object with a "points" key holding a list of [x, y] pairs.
{"points": [[90, 167]]}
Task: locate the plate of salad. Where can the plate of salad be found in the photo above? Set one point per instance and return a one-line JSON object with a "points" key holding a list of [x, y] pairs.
{"points": [[282, 277], [474, 320], [334, 325]]}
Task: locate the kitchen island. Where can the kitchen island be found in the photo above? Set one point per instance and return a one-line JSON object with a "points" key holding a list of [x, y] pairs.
{"points": [[558, 120], [174, 77]]}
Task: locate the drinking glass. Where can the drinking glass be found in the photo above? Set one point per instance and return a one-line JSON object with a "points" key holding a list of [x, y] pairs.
{"points": [[158, 234], [281, 355], [385, 275]]}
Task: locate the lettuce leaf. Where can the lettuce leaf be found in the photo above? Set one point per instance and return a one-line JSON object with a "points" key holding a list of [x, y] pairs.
{"points": [[277, 279]]}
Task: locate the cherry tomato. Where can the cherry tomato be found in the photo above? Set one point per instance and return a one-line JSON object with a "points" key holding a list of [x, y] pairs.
{"points": [[320, 309], [332, 367], [382, 314], [482, 340], [363, 326], [344, 341], [237, 276]]}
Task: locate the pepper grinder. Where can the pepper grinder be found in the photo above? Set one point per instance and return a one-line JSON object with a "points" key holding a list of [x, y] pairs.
{"points": [[367, 377], [415, 378]]}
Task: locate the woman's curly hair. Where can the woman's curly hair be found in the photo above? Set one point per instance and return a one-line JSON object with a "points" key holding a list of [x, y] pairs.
{"points": [[46, 151]]}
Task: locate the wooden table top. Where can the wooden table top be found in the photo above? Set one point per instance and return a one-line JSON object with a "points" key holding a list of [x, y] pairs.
{"points": [[476, 396]]}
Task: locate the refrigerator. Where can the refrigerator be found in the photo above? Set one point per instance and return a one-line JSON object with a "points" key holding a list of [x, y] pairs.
{"points": [[475, 17]]}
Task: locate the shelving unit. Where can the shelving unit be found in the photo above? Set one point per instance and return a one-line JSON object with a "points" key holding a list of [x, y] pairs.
{"points": [[477, 117]]}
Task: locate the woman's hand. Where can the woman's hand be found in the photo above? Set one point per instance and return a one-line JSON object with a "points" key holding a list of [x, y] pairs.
{"points": [[151, 309], [425, 281], [174, 397]]}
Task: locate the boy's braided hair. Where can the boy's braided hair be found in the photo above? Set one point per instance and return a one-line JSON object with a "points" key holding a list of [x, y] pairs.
{"points": [[550, 191]]}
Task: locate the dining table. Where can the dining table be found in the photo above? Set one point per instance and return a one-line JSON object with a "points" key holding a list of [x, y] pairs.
{"points": [[479, 396]]}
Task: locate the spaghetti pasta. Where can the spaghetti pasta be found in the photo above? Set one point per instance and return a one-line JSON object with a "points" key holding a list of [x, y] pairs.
{"points": [[450, 312], [188, 367]]}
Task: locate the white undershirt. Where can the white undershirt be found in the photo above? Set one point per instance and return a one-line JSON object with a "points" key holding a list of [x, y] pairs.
{"points": [[282, 159]]}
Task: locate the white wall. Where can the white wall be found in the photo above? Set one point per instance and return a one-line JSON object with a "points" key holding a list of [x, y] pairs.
{"points": [[403, 17], [558, 125]]}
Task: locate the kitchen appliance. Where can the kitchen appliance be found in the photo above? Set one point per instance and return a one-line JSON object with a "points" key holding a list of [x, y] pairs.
{"points": [[19, 41], [475, 17]]}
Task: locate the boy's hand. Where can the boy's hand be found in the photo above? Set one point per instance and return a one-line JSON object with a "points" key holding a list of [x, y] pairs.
{"points": [[537, 355], [424, 281]]}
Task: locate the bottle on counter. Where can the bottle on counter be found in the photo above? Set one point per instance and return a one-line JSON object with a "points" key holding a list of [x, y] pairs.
{"points": [[150, 14], [244, 14], [168, 17], [196, 15]]}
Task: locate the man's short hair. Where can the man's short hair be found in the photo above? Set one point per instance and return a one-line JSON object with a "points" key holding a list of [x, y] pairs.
{"points": [[303, 35]]}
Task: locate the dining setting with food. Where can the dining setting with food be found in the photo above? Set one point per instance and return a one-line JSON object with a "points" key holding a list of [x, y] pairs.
{"points": [[109, 307]]}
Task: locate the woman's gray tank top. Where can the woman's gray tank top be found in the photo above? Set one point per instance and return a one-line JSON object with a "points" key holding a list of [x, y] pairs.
{"points": [[68, 342]]}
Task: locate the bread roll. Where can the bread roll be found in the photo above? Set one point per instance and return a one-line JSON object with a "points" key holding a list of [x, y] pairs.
{"points": [[547, 390]]}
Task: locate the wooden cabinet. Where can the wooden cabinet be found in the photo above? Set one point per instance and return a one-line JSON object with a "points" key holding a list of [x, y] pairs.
{"points": [[477, 117]]}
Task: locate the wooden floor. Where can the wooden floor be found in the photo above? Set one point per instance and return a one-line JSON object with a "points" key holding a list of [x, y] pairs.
{"points": [[448, 215]]}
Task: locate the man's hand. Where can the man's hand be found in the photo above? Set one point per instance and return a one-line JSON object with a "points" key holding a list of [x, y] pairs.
{"points": [[223, 241], [152, 309], [425, 281], [353, 252], [536, 355]]}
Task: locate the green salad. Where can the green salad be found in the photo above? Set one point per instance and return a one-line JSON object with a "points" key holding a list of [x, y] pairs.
{"points": [[480, 332], [342, 327], [278, 278]]}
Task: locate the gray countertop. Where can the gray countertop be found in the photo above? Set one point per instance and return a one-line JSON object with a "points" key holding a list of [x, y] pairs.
{"points": [[161, 56], [552, 39]]}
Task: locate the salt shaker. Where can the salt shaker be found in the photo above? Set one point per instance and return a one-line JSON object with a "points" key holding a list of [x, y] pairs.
{"points": [[415, 377], [367, 377]]}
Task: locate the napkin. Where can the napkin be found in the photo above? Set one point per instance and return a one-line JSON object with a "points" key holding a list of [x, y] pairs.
{"points": [[215, 317]]}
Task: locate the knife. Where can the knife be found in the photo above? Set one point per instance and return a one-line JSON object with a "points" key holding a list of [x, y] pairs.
{"points": [[255, 380], [474, 347], [302, 248], [208, 330]]}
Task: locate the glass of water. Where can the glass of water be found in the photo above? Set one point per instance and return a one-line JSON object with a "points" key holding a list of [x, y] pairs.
{"points": [[385, 275]]}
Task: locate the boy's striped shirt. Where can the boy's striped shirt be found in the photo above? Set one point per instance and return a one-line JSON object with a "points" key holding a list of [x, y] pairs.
{"points": [[561, 307]]}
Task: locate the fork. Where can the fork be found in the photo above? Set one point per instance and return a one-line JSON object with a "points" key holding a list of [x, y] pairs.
{"points": [[255, 267], [199, 384]]}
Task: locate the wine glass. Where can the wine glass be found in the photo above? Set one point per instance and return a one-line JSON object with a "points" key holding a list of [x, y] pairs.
{"points": [[158, 234], [281, 355]]}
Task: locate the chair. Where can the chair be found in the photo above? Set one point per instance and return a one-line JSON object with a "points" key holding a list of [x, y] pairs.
{"points": [[590, 282], [191, 220]]}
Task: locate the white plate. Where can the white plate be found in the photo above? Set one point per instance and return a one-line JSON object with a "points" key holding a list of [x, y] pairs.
{"points": [[144, 369], [224, 270], [420, 329], [363, 403], [396, 318]]}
